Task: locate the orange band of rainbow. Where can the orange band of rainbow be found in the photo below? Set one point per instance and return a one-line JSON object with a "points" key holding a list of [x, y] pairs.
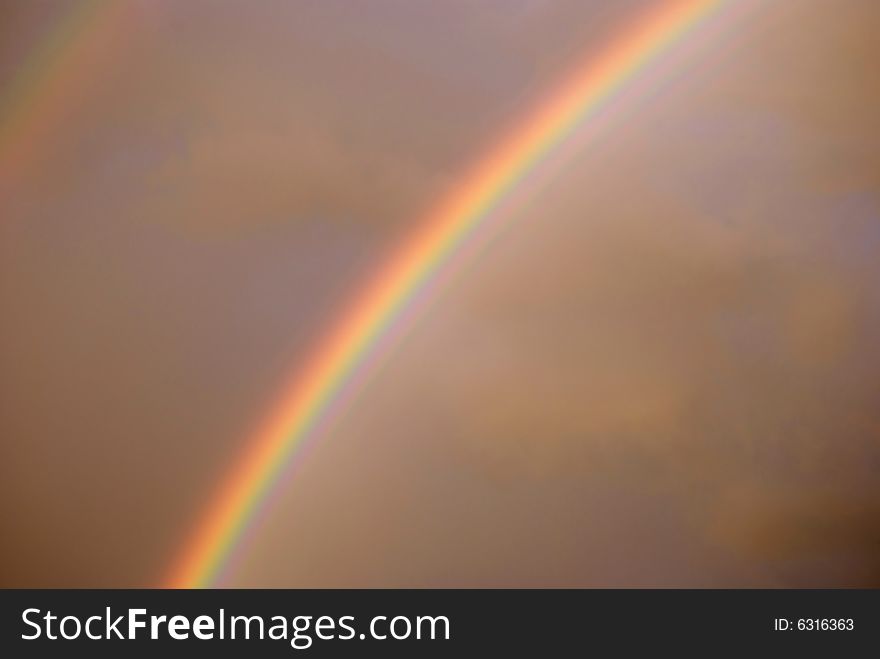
{"points": [[441, 235]]}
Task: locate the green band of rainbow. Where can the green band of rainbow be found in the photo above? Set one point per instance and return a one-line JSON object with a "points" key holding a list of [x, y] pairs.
{"points": [[441, 236], [37, 99]]}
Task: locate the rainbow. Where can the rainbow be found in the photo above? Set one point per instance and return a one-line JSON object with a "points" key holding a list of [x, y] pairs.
{"points": [[339, 361], [51, 80]]}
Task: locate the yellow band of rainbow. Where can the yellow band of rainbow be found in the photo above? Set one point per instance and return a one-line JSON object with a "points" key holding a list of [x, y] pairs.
{"points": [[440, 236]]}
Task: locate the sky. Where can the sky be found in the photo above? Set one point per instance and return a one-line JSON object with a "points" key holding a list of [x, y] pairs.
{"points": [[663, 372]]}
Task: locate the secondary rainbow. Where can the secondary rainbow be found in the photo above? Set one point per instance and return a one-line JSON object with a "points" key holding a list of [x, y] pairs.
{"points": [[51, 80], [336, 365]]}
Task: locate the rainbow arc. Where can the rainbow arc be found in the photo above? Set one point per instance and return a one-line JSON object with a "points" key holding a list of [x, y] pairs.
{"points": [[35, 102], [432, 251]]}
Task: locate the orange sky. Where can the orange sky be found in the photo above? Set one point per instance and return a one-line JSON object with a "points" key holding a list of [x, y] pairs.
{"points": [[666, 374]]}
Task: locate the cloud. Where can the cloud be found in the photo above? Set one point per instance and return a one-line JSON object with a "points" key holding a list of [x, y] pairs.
{"points": [[664, 372]]}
